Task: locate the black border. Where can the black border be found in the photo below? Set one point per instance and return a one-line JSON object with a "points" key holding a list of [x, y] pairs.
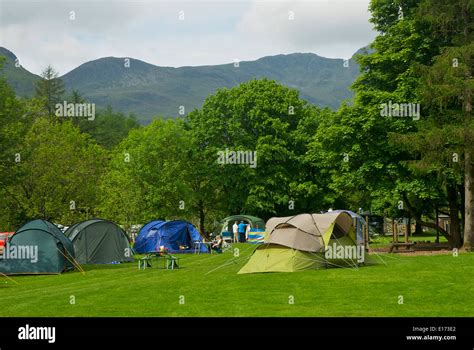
{"points": [[349, 333]]}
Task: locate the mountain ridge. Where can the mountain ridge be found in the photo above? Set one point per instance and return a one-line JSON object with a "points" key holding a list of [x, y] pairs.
{"points": [[134, 86]]}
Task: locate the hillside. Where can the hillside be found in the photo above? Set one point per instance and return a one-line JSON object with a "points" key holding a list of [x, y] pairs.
{"points": [[19, 78], [148, 90]]}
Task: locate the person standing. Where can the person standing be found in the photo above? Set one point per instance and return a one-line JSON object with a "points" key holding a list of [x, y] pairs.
{"points": [[242, 229], [247, 231], [235, 230]]}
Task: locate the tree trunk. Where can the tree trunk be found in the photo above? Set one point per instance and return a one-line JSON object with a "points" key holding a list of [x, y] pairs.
{"points": [[468, 161], [418, 228], [202, 217], [432, 225], [455, 227], [462, 208], [469, 202], [409, 233]]}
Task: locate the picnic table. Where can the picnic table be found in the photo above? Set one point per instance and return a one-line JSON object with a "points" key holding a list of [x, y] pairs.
{"points": [[144, 262], [170, 262]]}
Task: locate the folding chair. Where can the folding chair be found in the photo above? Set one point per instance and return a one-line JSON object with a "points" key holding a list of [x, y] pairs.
{"points": [[226, 246]]}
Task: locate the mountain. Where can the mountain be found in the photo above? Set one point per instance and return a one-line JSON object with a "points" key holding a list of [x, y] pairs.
{"points": [[148, 90], [21, 80]]}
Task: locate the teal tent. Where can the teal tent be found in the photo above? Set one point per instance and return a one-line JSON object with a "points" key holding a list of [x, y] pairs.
{"points": [[38, 247], [225, 225]]}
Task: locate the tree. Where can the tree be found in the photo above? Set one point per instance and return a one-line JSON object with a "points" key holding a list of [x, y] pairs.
{"points": [[264, 119], [76, 97], [151, 175], [175, 168], [108, 128], [443, 136], [57, 174], [50, 89], [379, 156], [16, 117], [448, 86]]}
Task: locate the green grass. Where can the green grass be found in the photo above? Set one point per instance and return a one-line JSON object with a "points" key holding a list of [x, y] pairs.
{"points": [[437, 285]]}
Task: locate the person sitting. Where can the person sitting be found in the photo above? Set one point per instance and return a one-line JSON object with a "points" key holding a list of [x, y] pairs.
{"points": [[217, 244]]}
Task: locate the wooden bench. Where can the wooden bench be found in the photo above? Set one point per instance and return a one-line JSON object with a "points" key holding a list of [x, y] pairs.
{"points": [[397, 245]]}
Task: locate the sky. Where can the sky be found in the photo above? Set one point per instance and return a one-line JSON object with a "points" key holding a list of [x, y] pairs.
{"points": [[179, 33]]}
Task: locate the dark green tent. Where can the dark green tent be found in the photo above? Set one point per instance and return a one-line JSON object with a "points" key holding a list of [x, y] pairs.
{"points": [[99, 241], [226, 224], [38, 247]]}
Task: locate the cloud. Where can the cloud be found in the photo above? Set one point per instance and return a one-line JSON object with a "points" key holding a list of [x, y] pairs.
{"points": [[335, 28], [212, 32]]}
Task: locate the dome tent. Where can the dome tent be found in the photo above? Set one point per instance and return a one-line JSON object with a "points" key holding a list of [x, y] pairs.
{"points": [[359, 223], [54, 251], [173, 235], [300, 242], [225, 225], [99, 241]]}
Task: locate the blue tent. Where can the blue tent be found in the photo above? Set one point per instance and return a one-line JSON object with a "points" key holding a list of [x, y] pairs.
{"points": [[173, 235]]}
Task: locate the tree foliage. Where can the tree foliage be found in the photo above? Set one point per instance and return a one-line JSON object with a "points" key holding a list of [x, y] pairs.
{"points": [[50, 90]]}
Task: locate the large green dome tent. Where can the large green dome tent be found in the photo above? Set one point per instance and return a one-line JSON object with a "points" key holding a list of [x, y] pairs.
{"points": [[300, 242], [99, 241], [54, 251]]}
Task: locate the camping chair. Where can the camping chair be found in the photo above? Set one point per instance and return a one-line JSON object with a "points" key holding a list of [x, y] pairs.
{"points": [[226, 246], [227, 236], [196, 247]]}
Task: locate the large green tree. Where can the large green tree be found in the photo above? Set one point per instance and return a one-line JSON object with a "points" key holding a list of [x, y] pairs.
{"points": [[447, 88], [444, 135], [271, 120], [352, 147], [384, 160], [16, 116], [57, 173], [174, 169], [153, 174]]}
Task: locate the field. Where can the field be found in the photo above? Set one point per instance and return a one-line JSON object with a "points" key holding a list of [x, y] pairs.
{"points": [[208, 285]]}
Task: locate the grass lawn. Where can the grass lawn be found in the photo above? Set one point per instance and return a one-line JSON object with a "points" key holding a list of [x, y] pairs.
{"points": [[434, 285]]}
